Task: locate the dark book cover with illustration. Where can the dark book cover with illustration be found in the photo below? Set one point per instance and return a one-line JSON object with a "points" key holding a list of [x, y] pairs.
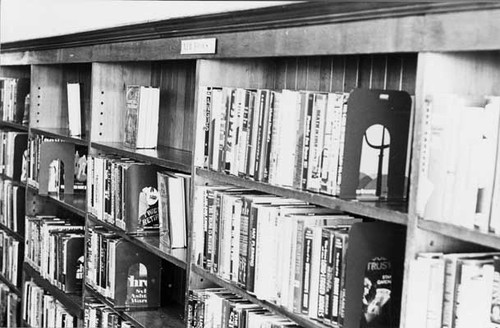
{"points": [[374, 275], [137, 277], [132, 116], [74, 270], [140, 216]]}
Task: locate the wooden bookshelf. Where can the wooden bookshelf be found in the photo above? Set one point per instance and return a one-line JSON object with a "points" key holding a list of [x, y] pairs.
{"points": [[171, 317], [61, 134], [14, 182], [18, 236], [316, 46], [177, 257], [75, 203], [486, 239], [302, 320], [14, 125], [11, 286], [72, 302], [383, 211], [170, 158]]}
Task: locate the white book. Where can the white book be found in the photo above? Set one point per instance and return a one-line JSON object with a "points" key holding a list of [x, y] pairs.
{"points": [[74, 109]]}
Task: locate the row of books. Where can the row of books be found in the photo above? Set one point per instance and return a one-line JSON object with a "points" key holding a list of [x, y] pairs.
{"points": [[274, 248], [12, 205], [10, 251], [298, 138], [218, 307], [98, 315], [138, 198], [54, 247], [142, 113], [9, 307], [460, 165], [454, 290], [41, 309], [291, 253], [122, 272], [12, 147], [53, 174], [14, 99]]}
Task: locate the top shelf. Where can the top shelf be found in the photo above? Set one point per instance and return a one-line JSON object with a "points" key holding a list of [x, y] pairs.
{"points": [[14, 125], [62, 134], [345, 28], [384, 211], [167, 157]]}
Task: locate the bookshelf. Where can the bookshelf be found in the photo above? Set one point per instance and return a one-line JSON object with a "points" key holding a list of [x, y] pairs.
{"points": [[418, 48]]}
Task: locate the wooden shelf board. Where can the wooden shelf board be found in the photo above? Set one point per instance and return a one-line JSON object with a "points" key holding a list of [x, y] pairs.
{"points": [[12, 233], [171, 158], [3, 176], [14, 125], [12, 287], [177, 257], [72, 302], [170, 317], [75, 203], [384, 211], [62, 134], [302, 320], [487, 239]]}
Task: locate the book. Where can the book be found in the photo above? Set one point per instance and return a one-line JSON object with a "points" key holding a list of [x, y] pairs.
{"points": [[74, 109], [373, 275], [141, 119]]}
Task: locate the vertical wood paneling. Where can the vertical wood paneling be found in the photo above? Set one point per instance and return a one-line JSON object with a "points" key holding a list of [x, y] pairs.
{"points": [[378, 71], [302, 79], [314, 76], [47, 97], [409, 73], [281, 68], [394, 72], [364, 72], [325, 73], [351, 73], [337, 79]]}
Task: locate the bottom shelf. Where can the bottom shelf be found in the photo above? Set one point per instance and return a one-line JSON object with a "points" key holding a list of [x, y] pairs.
{"points": [[171, 317], [12, 287], [302, 320], [72, 302]]}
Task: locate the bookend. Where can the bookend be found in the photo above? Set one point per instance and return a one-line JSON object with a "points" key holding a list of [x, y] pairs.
{"points": [[63, 151], [392, 110], [20, 145], [137, 278]]}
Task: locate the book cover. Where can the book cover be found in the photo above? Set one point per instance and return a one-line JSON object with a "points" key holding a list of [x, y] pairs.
{"points": [[374, 274], [137, 277], [74, 109]]}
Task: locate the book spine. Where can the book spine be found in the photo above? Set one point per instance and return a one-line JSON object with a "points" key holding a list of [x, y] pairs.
{"points": [[235, 239], [330, 269], [230, 132], [252, 240], [244, 135], [216, 229], [210, 229], [343, 123], [341, 252], [306, 274], [322, 273], [244, 239], [268, 135], [207, 106]]}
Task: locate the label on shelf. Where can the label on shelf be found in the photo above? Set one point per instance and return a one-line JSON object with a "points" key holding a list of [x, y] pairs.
{"points": [[198, 46]]}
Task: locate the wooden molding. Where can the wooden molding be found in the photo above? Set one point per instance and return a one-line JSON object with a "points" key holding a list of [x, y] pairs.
{"points": [[285, 16]]}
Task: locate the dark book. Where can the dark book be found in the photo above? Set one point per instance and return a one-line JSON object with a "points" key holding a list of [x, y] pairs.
{"points": [[374, 275], [137, 277], [139, 183]]}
